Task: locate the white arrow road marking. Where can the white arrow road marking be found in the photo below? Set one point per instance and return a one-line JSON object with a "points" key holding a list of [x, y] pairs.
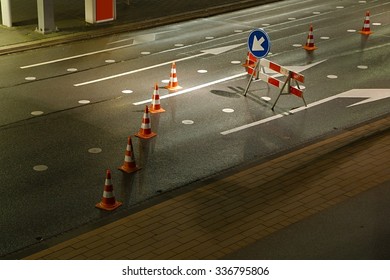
{"points": [[194, 88], [370, 95], [257, 44], [214, 51]]}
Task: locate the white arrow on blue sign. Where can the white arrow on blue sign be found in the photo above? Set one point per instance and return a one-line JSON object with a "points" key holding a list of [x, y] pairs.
{"points": [[259, 43]]}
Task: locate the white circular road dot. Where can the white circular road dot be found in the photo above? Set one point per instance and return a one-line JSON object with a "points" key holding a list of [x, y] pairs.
{"points": [[266, 24], [71, 69], [40, 168], [351, 30], [209, 37], [202, 71], [165, 81], [292, 18], [188, 122], [362, 67], [340, 7], [109, 61], [332, 77], [266, 98], [84, 101], [145, 53], [228, 110], [297, 45], [94, 150], [362, 2], [238, 30], [325, 38], [127, 91], [235, 62], [377, 23], [179, 45], [30, 78], [37, 113]]}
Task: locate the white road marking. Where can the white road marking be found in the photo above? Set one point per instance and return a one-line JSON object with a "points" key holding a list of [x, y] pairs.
{"points": [[94, 150], [193, 88], [214, 51], [369, 95], [84, 101], [40, 168], [188, 122], [37, 113], [73, 57]]}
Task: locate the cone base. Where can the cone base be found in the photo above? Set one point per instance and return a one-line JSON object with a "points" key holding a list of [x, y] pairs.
{"points": [[365, 32], [153, 111], [173, 88], [145, 136], [102, 206], [310, 48], [128, 169]]}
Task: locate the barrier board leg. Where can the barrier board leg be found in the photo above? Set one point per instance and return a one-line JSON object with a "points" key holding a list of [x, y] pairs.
{"points": [[287, 82], [255, 69]]}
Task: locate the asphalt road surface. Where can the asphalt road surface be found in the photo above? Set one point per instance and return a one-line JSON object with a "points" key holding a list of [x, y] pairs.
{"points": [[66, 111]]}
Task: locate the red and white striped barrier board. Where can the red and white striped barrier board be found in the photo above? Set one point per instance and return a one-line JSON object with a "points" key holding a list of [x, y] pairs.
{"points": [[283, 85], [282, 70]]}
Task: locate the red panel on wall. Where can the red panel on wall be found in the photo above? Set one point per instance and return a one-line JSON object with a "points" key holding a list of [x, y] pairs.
{"points": [[104, 10]]}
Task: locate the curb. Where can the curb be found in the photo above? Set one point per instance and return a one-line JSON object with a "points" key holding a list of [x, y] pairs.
{"points": [[120, 27]]}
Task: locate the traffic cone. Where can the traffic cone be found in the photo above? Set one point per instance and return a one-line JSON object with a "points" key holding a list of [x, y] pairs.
{"points": [[173, 82], [156, 107], [250, 63], [146, 129], [366, 26], [310, 41], [108, 200], [129, 165]]}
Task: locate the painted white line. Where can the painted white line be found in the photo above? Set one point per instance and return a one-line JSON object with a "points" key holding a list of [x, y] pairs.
{"points": [[194, 88], [214, 51], [187, 122], [135, 71], [73, 57], [251, 124], [369, 95]]}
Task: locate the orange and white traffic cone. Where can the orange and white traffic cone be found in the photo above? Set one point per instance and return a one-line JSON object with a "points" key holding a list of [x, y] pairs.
{"points": [[108, 200], [366, 25], [173, 82], [129, 165], [250, 63], [146, 128], [310, 41], [156, 107]]}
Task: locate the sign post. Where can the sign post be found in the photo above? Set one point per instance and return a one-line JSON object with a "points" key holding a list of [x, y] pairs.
{"points": [[259, 45]]}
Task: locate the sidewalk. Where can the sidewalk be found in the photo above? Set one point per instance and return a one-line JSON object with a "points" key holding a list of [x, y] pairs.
{"points": [[70, 20], [231, 212]]}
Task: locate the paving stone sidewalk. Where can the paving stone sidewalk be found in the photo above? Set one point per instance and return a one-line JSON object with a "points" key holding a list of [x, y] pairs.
{"points": [[232, 212]]}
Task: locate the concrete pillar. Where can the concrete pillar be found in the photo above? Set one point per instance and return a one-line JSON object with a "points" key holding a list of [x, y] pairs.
{"points": [[46, 16], [6, 12]]}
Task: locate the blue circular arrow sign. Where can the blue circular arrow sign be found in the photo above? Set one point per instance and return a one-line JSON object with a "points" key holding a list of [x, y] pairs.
{"points": [[259, 43]]}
